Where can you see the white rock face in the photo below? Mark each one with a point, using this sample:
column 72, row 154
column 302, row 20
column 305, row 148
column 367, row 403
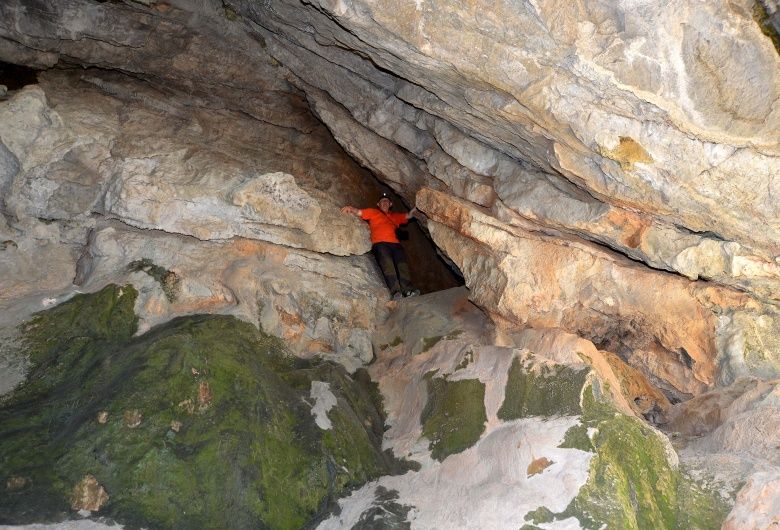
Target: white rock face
column 324, row 400
column 275, row 198
column 758, row 503
column 616, row 111
column 491, row 475
column 58, row 166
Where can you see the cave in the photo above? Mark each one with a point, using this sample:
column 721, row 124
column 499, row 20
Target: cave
column 195, row 334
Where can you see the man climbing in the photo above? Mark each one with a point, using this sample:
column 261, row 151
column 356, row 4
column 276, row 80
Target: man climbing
column 387, row 249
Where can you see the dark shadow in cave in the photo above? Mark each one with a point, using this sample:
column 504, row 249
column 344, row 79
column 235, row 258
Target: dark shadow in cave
column 15, row 77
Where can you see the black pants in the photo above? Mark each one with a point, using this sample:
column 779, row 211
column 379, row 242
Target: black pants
column 392, row 260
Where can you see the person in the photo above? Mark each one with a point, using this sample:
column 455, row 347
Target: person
column 387, row 249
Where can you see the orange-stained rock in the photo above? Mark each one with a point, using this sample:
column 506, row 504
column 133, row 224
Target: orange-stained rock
column 662, row 324
column 538, row 465
column 132, row 418
column 204, row 395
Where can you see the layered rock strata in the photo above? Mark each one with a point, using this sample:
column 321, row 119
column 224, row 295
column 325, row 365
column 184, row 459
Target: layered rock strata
column 106, row 179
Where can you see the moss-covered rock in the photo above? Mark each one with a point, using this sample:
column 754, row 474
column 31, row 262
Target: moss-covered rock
column 454, row 416
column 540, row 389
column 223, row 436
column 632, row 484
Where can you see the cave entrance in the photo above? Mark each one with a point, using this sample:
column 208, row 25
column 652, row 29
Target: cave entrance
column 430, row 270
column 15, row 77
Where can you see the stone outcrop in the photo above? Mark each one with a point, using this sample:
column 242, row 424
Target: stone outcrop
column 489, row 106
column 191, row 177
column 246, row 434
column 90, row 194
column 521, row 436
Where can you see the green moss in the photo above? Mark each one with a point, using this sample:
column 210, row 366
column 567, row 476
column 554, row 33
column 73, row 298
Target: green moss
column 248, row 453
column 540, row 515
column 454, row 416
column 577, row 438
column 430, row 342
column 699, row 507
column 543, row 390
column 631, row 484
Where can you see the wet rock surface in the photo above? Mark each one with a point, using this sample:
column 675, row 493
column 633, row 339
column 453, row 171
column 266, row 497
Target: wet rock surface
column 247, row 439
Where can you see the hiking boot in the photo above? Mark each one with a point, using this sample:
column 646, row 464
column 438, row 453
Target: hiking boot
column 412, row 292
column 397, row 296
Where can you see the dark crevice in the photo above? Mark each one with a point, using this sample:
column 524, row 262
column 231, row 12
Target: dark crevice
column 15, row 76
column 705, row 234
column 430, row 270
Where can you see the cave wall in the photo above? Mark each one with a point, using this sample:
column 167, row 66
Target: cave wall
column 601, row 173
column 627, row 130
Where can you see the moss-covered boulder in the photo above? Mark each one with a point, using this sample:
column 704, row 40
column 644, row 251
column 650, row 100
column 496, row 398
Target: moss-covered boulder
column 203, row 422
column 538, row 388
column 631, row 484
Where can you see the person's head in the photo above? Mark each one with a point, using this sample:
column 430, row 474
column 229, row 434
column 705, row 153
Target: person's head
column 385, row 203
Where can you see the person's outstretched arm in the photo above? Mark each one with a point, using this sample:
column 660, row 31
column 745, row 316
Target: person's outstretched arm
column 351, row 210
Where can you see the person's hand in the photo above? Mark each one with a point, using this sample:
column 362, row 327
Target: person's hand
column 411, row 213
column 350, row 210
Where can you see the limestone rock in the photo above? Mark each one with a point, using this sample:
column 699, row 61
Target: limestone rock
column 603, row 176
column 758, row 503
column 88, row 495
column 57, row 165
column 507, row 428
column 274, row 198
column 536, row 281
column 742, row 419
column 290, row 293
column 514, row 114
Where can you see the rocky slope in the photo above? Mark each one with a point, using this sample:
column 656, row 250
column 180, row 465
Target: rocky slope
column 602, row 176
column 146, row 428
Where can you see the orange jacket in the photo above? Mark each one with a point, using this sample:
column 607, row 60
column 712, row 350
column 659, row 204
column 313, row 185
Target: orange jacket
column 383, row 225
